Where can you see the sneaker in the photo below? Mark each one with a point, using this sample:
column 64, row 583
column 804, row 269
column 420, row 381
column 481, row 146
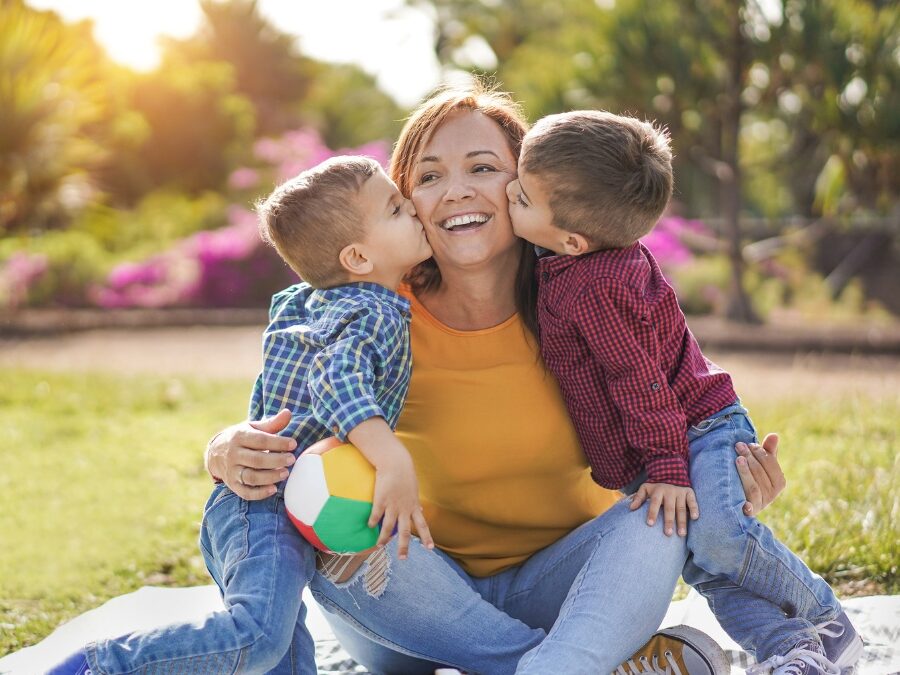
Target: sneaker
column 680, row 650
column 842, row 643
column 807, row 658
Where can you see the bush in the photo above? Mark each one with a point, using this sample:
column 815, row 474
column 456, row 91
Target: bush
column 55, row 269
column 229, row 267
column 159, row 220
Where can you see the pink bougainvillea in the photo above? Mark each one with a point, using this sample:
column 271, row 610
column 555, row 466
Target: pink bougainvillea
column 666, row 240
column 17, row 275
column 231, row 266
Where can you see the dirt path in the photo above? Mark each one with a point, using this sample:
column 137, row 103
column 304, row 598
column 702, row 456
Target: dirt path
column 233, row 352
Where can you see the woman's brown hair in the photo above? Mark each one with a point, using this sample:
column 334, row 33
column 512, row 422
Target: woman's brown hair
column 421, row 124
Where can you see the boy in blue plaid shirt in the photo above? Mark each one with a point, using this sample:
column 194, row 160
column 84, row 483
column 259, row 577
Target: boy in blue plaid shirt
column 336, row 353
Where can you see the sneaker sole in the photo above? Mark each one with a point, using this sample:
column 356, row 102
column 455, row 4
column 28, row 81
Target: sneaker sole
column 706, row 649
column 851, row 656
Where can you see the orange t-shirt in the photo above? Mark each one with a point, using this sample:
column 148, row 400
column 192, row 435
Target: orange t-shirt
column 501, row 472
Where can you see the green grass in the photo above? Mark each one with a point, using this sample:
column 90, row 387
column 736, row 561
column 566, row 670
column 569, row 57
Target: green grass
column 102, row 487
column 101, row 490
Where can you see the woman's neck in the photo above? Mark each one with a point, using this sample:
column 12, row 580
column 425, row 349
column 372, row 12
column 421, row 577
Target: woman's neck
column 473, row 300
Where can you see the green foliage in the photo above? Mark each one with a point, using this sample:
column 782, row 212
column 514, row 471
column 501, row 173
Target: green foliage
column 74, row 263
column 827, row 70
column 347, row 105
column 702, row 284
column 268, row 68
column 784, row 284
column 109, row 493
column 51, row 91
column 199, row 126
column 159, row 220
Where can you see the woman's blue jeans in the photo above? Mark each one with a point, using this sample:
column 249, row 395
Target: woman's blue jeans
column 762, row 594
column 261, row 565
column 581, row 605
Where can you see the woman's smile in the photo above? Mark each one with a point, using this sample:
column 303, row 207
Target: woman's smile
column 466, row 222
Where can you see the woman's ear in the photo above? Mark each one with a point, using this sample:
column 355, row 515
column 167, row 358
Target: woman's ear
column 353, row 259
column 575, row 244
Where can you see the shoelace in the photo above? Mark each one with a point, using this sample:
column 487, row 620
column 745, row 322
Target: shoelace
column 793, row 662
column 826, row 629
column 649, row 668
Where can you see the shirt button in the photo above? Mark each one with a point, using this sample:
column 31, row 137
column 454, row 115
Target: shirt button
column 545, row 276
column 335, row 429
column 655, row 386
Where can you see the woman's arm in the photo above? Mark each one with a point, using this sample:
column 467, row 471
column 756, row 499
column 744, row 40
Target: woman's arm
column 760, row 473
column 250, row 458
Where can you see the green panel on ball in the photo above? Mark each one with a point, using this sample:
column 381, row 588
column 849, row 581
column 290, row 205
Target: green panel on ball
column 342, row 525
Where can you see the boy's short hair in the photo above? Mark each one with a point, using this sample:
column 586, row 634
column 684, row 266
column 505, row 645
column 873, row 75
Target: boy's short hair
column 609, row 177
column 311, row 217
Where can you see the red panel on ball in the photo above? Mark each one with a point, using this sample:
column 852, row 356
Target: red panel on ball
column 309, row 534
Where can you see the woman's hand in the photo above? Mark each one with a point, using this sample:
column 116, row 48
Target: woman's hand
column 760, row 473
column 250, row 458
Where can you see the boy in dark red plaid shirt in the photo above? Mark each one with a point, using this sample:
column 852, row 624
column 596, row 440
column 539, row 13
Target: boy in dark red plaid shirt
column 654, row 416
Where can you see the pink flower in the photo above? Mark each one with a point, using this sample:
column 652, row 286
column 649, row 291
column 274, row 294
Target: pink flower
column 19, row 275
column 666, row 242
column 243, row 179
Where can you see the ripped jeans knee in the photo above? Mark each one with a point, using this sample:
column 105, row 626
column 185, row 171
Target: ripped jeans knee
column 344, row 570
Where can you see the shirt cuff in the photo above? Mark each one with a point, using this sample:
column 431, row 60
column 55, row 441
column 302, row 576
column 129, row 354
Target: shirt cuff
column 346, row 418
column 670, row 469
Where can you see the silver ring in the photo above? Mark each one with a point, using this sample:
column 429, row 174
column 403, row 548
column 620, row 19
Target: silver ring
column 241, row 475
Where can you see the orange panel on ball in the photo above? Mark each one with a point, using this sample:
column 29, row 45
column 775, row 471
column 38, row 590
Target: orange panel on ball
column 349, row 474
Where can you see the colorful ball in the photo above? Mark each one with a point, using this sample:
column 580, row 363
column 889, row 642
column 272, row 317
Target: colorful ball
column 329, row 496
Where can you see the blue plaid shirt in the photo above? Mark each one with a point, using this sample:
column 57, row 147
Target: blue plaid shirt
column 334, row 357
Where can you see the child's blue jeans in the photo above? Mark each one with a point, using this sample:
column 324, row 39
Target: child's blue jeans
column 762, row 594
column 261, row 565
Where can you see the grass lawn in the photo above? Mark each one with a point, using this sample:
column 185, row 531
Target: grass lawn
column 102, row 487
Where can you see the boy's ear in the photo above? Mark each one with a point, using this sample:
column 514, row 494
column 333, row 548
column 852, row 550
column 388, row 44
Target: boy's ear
column 353, row 259
column 575, row 244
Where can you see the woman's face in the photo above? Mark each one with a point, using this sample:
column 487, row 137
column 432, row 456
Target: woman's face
column 459, row 191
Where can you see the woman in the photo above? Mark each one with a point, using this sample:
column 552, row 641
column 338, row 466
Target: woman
column 538, row 569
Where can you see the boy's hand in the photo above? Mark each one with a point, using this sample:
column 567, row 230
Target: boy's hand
column 396, row 488
column 397, row 502
column 676, row 502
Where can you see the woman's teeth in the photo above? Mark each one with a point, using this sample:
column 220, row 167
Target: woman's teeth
column 463, row 222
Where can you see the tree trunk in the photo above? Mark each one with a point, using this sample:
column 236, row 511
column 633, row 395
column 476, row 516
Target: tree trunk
column 739, row 307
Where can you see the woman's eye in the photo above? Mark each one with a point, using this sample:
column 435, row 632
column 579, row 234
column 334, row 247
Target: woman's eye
column 427, row 178
column 482, row 168
column 397, row 209
column 521, row 201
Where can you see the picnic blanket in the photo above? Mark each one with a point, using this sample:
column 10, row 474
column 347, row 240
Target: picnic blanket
column 876, row 617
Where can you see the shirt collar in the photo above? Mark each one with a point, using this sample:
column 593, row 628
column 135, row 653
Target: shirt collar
column 376, row 292
column 550, row 264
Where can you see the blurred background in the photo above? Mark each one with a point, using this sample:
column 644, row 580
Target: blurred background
column 134, row 138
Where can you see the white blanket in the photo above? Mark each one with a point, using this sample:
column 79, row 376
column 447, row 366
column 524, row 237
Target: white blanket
column 877, row 618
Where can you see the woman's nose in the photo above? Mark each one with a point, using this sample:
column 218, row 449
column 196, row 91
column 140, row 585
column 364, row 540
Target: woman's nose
column 458, row 189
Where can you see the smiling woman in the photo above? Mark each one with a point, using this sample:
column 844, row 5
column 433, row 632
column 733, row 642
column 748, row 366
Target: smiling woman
column 518, row 522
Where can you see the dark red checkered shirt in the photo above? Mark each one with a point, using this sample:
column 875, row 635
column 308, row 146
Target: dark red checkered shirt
column 632, row 375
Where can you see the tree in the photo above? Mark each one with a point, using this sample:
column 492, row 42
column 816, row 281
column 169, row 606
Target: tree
column 268, row 67
column 199, row 126
column 825, row 70
column 286, row 88
column 51, row 92
column 347, row 106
